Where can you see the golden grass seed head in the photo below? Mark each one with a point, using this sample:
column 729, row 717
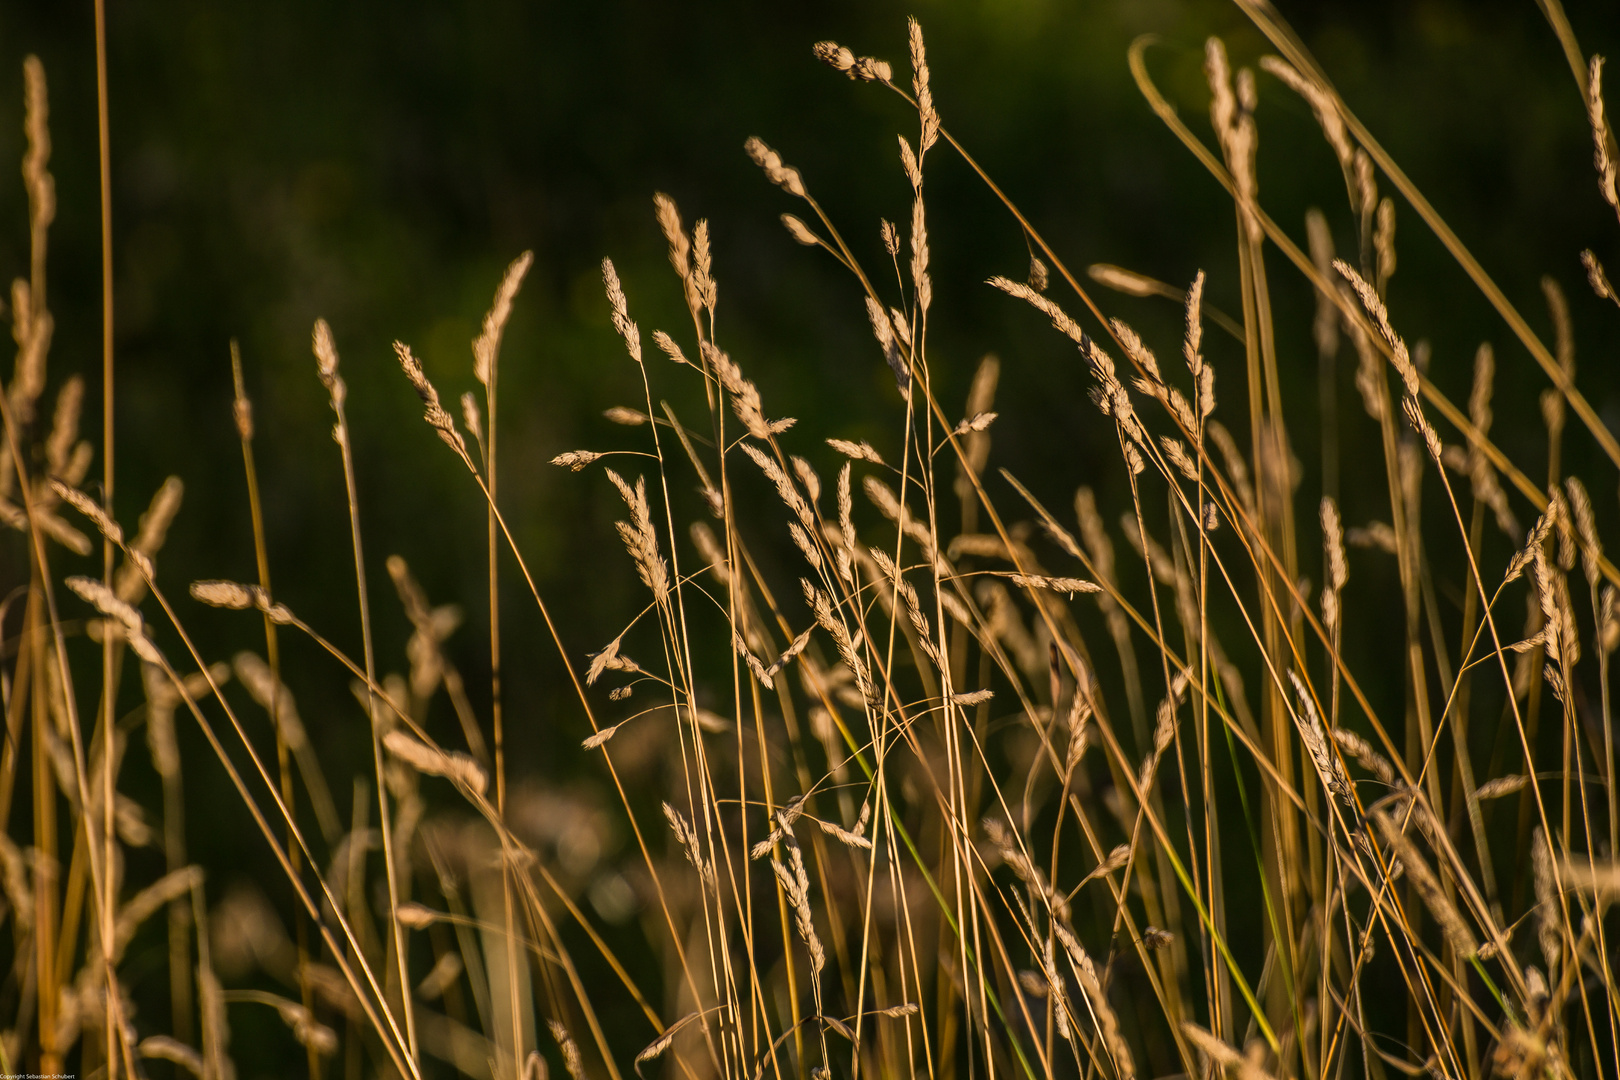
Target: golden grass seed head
column 623, row 325
column 326, row 359
column 454, row 765
column 433, row 412
column 576, row 459
column 64, row 425
column 1501, row 786
column 572, row 1061
column 703, row 283
column 669, row 223
column 783, row 176
column 1126, row 281
column 1384, row 243
column 1596, row 277
column 486, row 346
column 800, row 231
column 87, row 506
column 834, row 56
column 472, row 417
column 1602, row 155
column 1366, row 185
column 1039, row 277
column 926, row 113
column 860, row 451
column 1591, row 547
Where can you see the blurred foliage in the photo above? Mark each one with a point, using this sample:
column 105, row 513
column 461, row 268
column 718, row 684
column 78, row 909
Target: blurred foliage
column 378, row 165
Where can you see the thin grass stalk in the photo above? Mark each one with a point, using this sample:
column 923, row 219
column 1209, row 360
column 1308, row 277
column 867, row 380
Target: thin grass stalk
column 242, row 412
column 327, row 357
column 108, row 676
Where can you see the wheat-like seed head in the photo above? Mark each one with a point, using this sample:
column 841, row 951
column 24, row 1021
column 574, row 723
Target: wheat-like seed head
column 107, row 602
column 622, row 323
column 783, row 176
column 487, row 345
column 1321, row 103
column 1597, row 278
column 920, row 89
column 1602, row 154
column 454, row 765
column 441, row 422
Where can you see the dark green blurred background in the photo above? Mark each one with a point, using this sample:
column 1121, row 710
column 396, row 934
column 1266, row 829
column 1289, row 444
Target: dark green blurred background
column 378, row 165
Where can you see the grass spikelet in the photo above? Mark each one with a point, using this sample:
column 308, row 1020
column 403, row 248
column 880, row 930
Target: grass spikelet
column 656, row 1048
column 822, row 606
column 1164, row 729
column 1056, row 584
column 1126, row 281
column 784, row 486
column 150, row 534
column 1337, row 567
column 441, row 422
column 230, row 594
column 1596, row 278
column 1327, row 113
column 1107, row 1020
column 639, row 537
column 622, row 323
column 979, row 421
column 1384, row 244
column 1547, row 911
column 744, row 395
column 225, row 594
column 794, row 649
column 107, row 602
column 1140, row 355
column 783, row 176
column 920, row 88
column 576, row 460
column 883, row 331
column 795, row 883
column 688, row 838
column 272, row 696
column 914, row 611
column 601, row 737
column 860, row 451
column 1328, row 766
column 753, row 661
column 65, row 430
column 1602, row 156
column 1116, row 860
column 1428, row 887
column 1060, row 318
column 608, row 659
column 486, row 346
column 801, row 232
column 1591, row 548
column 87, row 506
column 1501, row 786
column 453, row 766
column 572, row 1062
